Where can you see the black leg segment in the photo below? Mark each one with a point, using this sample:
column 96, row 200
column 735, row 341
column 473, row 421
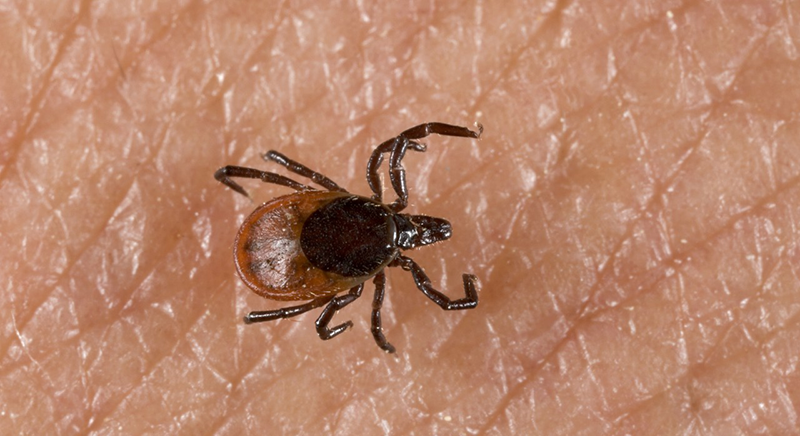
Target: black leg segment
column 377, row 302
column 424, row 285
column 300, row 169
column 423, row 130
column 326, row 316
column 285, row 312
column 224, row 175
column 396, row 148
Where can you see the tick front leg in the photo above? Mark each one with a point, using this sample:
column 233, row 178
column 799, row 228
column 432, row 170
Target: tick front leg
column 423, row 130
column 397, row 147
column 224, row 174
column 424, row 285
column 397, row 174
column 326, row 316
column 377, row 302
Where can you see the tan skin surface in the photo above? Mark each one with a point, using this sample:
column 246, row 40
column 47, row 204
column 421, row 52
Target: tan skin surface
column 630, row 211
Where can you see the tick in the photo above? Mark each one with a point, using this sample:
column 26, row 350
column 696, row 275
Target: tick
column 315, row 244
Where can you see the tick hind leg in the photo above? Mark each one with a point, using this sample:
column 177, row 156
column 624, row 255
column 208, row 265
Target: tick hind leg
column 224, row 175
column 396, row 148
column 470, row 301
column 335, row 304
column 285, row 312
column 300, row 169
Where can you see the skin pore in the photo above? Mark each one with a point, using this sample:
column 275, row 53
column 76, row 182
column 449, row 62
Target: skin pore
column 630, row 212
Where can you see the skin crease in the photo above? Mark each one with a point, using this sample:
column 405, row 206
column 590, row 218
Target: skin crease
column 630, row 211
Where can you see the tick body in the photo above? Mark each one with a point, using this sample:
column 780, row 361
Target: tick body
column 315, row 244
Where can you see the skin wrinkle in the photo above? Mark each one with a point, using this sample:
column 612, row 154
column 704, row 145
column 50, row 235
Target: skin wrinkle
column 692, row 370
column 553, row 19
column 239, row 403
column 66, row 41
column 686, row 379
column 659, row 190
column 37, row 101
column 379, row 110
column 95, row 421
column 465, row 320
column 236, row 384
column 434, row 414
column 117, row 315
column 676, row 261
column 655, row 200
column 76, row 259
column 648, row 158
column 85, row 6
column 570, row 59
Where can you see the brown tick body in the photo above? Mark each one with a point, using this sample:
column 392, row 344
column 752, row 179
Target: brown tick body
column 313, row 245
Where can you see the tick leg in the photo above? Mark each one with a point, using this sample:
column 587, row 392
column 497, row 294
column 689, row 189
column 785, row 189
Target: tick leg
column 377, row 302
column 375, row 160
column 285, row 312
column 224, row 174
column 424, row 285
column 298, row 168
column 397, row 174
column 396, row 147
column 423, row 130
column 373, row 179
column 327, row 314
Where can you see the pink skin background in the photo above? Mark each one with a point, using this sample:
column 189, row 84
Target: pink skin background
column 631, row 212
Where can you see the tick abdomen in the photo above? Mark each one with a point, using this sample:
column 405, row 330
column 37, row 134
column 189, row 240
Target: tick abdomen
column 268, row 254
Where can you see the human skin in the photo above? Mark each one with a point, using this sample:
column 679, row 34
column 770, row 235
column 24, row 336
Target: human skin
column 630, row 211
